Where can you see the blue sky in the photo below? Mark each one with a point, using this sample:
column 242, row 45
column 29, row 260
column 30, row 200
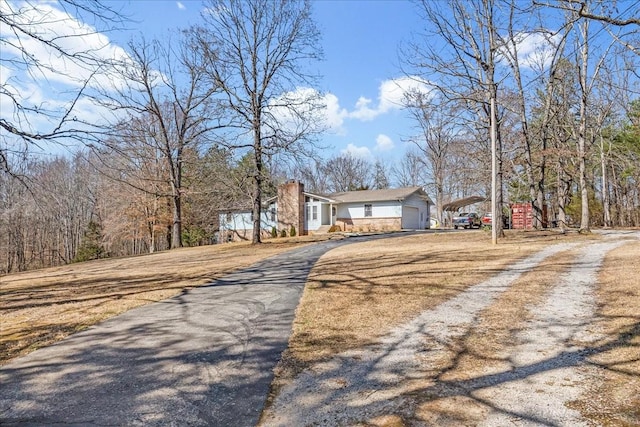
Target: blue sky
column 362, row 80
column 360, row 41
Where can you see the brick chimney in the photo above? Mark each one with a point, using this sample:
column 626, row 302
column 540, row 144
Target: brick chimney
column 291, row 206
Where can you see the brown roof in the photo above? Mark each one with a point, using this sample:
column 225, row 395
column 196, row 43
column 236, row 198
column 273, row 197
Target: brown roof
column 378, row 195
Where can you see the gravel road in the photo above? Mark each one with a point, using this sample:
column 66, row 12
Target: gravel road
column 376, row 385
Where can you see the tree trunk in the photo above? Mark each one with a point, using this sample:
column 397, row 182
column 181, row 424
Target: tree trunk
column 605, row 186
column 257, row 180
column 563, row 190
column 176, row 230
column 582, row 131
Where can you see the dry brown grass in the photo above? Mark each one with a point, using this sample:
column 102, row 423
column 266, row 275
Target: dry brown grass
column 357, row 293
column 615, row 399
column 40, row 307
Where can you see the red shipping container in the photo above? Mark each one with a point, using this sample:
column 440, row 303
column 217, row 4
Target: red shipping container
column 522, row 216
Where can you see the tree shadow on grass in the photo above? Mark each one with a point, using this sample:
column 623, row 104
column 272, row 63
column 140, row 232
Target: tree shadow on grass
column 357, row 383
column 204, row 357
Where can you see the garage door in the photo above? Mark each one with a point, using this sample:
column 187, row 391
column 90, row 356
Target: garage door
column 410, row 217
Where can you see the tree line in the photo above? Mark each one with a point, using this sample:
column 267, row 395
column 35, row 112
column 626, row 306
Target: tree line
column 214, row 118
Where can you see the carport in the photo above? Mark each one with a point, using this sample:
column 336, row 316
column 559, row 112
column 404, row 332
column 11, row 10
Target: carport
column 455, row 205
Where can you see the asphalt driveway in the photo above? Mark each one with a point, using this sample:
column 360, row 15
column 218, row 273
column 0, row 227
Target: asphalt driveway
column 205, row 357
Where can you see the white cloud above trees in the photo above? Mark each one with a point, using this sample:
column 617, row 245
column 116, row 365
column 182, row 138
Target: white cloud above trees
column 535, row 50
column 384, row 143
column 392, row 95
column 359, row 152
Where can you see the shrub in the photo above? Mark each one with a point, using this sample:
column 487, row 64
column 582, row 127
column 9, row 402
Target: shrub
column 292, row 232
column 283, row 233
column 274, row 232
column 91, row 246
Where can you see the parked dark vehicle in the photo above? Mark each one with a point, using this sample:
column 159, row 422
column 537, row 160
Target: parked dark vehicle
column 467, row 220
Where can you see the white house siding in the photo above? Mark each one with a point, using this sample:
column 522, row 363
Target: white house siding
column 387, row 209
column 385, row 216
column 236, row 226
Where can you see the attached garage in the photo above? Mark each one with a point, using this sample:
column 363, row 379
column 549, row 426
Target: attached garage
column 410, row 218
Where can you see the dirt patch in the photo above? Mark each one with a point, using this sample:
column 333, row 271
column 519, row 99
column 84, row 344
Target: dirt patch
column 40, row 307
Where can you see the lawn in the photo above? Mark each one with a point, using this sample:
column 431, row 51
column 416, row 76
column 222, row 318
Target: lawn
column 40, row 307
column 354, row 295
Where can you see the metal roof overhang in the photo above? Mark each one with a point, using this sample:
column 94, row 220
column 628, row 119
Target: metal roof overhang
column 460, row 203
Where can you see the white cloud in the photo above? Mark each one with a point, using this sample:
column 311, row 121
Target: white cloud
column 72, row 36
column 355, row 151
column 180, row 5
column 51, row 81
column 306, row 106
column 384, row 143
column 363, row 111
column 334, row 115
column 534, row 49
column 392, row 95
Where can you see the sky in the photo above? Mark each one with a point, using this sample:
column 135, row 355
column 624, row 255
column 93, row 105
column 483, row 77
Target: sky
column 359, row 73
column 360, row 42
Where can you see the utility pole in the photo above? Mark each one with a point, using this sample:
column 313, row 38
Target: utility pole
column 496, row 215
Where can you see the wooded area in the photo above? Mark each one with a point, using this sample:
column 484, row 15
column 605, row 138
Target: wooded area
column 214, row 119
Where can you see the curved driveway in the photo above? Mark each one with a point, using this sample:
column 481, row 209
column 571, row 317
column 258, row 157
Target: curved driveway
column 205, row 357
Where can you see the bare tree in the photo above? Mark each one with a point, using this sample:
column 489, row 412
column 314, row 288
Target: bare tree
column 409, row 171
column 587, row 77
column 609, row 11
column 32, row 26
column 347, row 172
column 256, row 52
column 436, row 141
column 465, row 70
column 170, row 109
column 534, row 143
column 380, row 176
column 314, row 176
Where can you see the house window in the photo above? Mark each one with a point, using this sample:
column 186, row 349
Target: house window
column 315, row 212
column 228, row 217
column 308, row 212
column 368, row 211
column 273, row 214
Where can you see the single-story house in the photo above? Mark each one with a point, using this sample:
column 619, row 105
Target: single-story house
column 365, row 210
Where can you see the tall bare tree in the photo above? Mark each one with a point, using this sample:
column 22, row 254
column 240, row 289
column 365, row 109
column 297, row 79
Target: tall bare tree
column 257, row 51
column 587, row 71
column 436, row 141
column 463, row 62
column 347, row 172
column 169, row 109
column 535, row 139
column 409, row 171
